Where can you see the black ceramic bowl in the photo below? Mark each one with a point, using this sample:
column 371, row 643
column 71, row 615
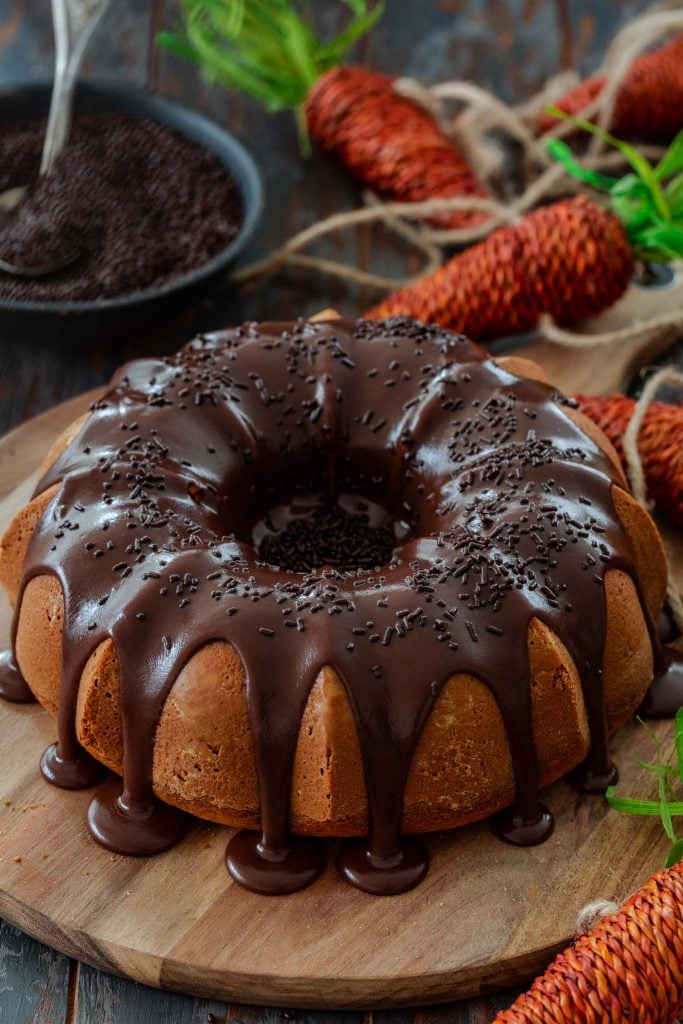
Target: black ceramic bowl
column 98, row 318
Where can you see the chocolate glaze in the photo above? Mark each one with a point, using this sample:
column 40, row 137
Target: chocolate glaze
column 501, row 508
column 12, row 684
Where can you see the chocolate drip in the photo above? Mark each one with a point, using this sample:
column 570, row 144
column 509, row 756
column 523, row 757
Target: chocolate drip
column 74, row 769
column 468, row 505
column 521, row 829
column 12, row 684
column 136, row 827
column 66, row 764
column 274, row 866
column 384, row 874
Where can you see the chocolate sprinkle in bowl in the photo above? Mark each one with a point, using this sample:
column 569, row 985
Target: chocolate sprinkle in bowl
column 159, row 199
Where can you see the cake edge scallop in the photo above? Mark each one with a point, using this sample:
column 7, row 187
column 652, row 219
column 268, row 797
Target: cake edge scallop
column 328, row 796
column 203, row 761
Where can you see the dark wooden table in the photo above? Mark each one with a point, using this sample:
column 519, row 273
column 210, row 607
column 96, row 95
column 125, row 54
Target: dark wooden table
column 511, row 46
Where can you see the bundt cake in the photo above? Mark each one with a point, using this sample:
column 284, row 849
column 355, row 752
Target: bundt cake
column 341, row 578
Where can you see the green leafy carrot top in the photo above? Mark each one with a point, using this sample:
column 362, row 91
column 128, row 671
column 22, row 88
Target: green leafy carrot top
column 648, row 201
column 265, row 48
column 669, row 778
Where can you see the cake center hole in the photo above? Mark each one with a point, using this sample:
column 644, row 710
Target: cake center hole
column 312, row 531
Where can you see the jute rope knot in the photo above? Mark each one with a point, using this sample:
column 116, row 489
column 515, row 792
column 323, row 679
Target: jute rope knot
column 479, row 113
column 592, row 913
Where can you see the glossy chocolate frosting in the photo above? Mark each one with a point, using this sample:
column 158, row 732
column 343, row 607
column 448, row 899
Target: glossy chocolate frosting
column 376, row 496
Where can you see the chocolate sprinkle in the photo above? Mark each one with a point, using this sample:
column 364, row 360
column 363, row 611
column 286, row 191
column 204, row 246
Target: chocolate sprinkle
column 162, row 205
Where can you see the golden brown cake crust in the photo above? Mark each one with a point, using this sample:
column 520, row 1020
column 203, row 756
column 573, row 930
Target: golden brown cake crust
column 461, row 771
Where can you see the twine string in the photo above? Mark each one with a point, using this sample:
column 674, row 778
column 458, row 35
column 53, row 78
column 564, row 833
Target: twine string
column 655, row 328
column 631, row 41
column 482, row 112
column 483, row 107
column 396, row 216
column 636, row 472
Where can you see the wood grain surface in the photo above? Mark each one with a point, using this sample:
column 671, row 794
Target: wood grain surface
column 509, row 45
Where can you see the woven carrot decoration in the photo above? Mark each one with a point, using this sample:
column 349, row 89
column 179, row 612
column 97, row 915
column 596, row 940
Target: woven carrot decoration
column 572, row 259
column 660, row 443
column 649, row 102
column 628, row 968
column 388, row 142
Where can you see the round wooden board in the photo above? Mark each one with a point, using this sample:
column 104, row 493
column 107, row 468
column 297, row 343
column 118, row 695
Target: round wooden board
column 488, row 915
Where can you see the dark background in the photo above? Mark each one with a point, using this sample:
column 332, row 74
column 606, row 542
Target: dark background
column 510, row 46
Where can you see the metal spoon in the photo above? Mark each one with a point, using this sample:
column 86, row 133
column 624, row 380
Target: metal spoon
column 74, row 22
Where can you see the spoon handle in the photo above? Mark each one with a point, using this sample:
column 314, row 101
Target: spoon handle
column 74, row 22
